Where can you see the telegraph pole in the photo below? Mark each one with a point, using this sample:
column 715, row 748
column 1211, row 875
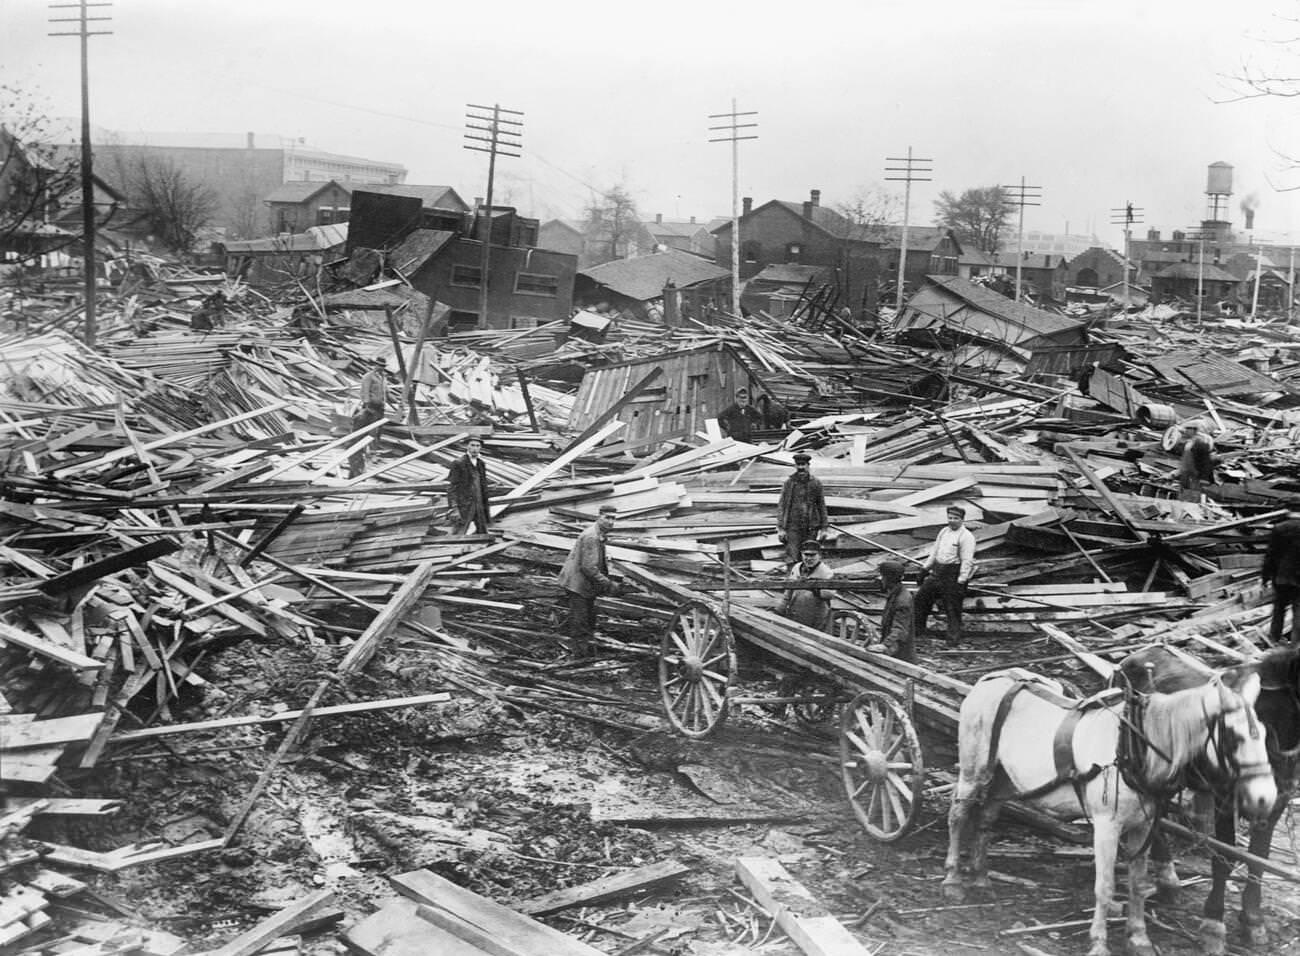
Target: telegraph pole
column 914, row 170
column 1022, row 196
column 1199, row 236
column 1126, row 217
column 503, row 134
column 734, row 137
column 83, row 21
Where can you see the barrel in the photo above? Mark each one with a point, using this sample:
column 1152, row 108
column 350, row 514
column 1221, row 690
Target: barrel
column 1156, row 416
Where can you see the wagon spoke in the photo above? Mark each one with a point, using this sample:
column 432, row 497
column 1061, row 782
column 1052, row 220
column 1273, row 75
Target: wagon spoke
column 672, row 704
column 894, row 746
column 712, row 693
column 713, row 660
column 673, row 680
column 705, row 705
column 864, row 785
column 715, row 676
column 896, row 782
column 868, row 730
column 858, row 742
column 686, row 651
column 894, row 802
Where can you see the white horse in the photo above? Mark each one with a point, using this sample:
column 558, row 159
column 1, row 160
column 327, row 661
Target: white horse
column 1112, row 759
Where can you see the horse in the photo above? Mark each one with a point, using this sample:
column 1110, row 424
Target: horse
column 1113, row 758
column 1278, row 709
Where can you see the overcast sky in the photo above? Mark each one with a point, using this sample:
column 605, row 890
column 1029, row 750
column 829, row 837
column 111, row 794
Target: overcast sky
column 1097, row 102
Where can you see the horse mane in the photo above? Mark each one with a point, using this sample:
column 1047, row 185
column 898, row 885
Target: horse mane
column 1176, row 726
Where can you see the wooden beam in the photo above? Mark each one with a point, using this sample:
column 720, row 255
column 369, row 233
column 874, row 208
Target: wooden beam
column 605, row 889
column 310, row 910
column 12, row 635
column 796, row 911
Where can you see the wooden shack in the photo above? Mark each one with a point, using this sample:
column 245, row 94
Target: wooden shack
column 686, row 389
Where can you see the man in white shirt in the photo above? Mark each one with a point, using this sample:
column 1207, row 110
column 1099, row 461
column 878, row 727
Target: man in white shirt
column 946, row 572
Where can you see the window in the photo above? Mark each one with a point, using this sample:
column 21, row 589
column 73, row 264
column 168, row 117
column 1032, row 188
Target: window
column 467, row 276
column 792, row 251
column 531, row 283
column 751, row 251
column 327, row 215
column 525, row 322
column 461, row 321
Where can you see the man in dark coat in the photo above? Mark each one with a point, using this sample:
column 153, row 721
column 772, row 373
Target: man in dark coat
column 898, row 620
column 801, row 512
column 1196, row 463
column 808, row 606
column 739, row 419
column 467, row 490
column 374, row 393
column 584, row 577
column 1281, row 569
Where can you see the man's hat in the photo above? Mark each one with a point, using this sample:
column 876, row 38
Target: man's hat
column 608, row 510
column 802, row 458
column 957, row 510
column 892, row 569
column 812, row 546
column 742, row 391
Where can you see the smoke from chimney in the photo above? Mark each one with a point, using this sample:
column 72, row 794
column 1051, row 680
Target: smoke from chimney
column 1248, row 206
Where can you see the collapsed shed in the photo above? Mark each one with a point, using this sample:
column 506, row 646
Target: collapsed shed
column 985, row 327
column 690, row 286
column 662, row 398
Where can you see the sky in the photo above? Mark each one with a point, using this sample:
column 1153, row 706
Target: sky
column 1098, row 103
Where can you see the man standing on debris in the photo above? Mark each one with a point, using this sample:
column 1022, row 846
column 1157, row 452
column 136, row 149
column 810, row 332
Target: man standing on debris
column 374, row 392
column 585, row 576
column 808, row 606
column 467, row 491
column 945, row 573
column 739, row 419
column 1281, row 569
column 898, row 620
column 1196, row 464
column 801, row 512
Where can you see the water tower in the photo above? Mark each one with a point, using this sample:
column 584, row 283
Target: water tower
column 1218, row 190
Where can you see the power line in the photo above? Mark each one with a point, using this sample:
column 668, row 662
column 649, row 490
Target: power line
column 731, row 134
column 486, row 124
column 83, row 21
column 1021, row 196
column 914, row 170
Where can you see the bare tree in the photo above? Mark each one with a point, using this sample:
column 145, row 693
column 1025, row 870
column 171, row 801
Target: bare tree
column 247, row 214
column 37, row 178
column 173, row 207
column 977, row 216
column 869, row 210
column 614, row 214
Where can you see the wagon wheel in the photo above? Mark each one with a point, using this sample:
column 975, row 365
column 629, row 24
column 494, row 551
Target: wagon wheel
column 880, row 758
column 854, row 628
column 697, row 663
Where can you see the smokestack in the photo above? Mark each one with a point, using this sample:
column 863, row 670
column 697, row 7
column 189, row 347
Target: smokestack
column 808, row 207
column 746, row 205
column 1250, row 219
column 1153, row 235
column 249, row 138
column 659, row 219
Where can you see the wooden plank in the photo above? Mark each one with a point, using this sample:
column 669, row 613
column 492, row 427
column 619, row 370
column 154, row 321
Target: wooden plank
column 795, row 910
column 20, row 735
column 12, row 635
column 396, row 930
column 551, row 468
column 410, row 592
column 78, row 577
column 605, row 889
column 942, row 490
column 150, row 733
column 481, row 921
column 307, row 911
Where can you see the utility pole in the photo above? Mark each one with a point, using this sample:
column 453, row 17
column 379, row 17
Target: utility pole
column 733, row 137
column 83, row 21
column 502, row 136
column 1290, row 289
column 1022, row 196
column 914, row 170
column 1126, row 217
column 1199, row 236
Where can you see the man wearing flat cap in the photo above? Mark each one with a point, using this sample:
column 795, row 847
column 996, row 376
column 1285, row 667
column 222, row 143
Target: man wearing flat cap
column 739, row 419
column 898, row 620
column 808, row 606
column 801, row 512
column 584, row 577
column 945, row 572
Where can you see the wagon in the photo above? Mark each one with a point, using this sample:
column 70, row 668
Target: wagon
column 880, row 757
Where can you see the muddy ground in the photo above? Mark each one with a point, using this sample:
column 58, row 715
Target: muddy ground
column 513, row 802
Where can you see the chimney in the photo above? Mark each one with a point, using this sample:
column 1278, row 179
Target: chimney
column 746, row 205
column 1179, row 235
column 659, row 219
column 1047, row 262
column 808, row 208
column 1250, row 219
column 249, row 139
column 816, row 197
column 1153, row 235
column 692, row 220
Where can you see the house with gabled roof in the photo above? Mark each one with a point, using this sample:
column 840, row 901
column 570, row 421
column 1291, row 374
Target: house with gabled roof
column 593, row 241
column 687, row 236
column 1096, row 268
column 297, row 206
column 782, row 232
column 1185, row 280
